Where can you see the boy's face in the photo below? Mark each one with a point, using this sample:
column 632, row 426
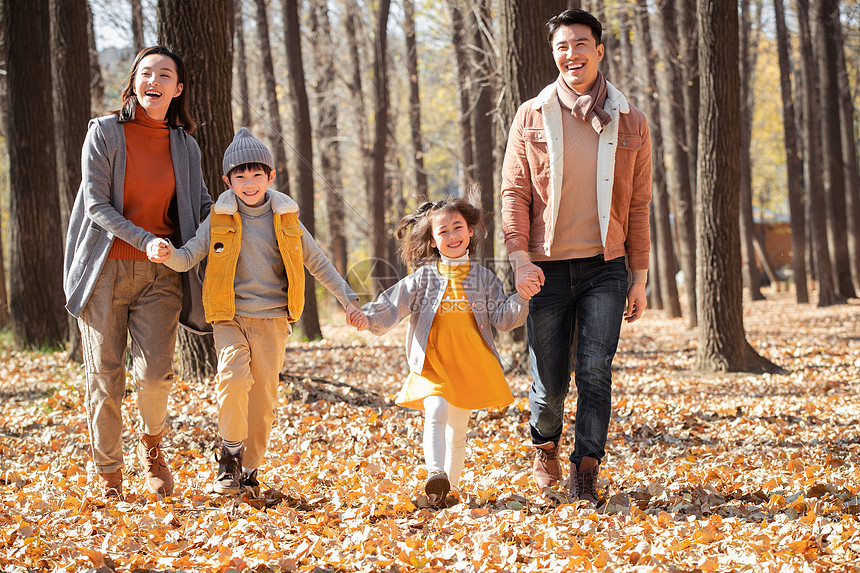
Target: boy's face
column 250, row 186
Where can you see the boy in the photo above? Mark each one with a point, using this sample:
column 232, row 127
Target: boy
column 254, row 288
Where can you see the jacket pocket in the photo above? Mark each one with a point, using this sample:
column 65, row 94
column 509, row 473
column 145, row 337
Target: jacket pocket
column 629, row 142
column 537, row 154
column 221, row 241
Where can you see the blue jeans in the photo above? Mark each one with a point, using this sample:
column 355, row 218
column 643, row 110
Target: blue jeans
column 578, row 310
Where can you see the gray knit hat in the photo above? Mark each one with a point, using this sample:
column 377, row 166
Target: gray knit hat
column 245, row 148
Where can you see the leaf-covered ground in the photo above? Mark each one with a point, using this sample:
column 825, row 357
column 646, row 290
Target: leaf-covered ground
column 704, row 472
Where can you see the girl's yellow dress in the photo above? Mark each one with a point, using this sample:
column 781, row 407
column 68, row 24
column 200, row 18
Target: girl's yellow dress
column 459, row 366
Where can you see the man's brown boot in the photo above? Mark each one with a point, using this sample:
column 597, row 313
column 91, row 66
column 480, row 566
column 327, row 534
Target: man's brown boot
column 583, row 480
column 110, row 483
column 158, row 478
column 546, row 469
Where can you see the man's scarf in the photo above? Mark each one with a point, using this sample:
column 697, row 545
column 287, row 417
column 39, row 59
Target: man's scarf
column 587, row 107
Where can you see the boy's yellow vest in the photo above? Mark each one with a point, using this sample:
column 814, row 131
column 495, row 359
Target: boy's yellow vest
column 225, row 241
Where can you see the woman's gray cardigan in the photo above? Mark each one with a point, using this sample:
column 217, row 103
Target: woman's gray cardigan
column 420, row 295
column 96, row 217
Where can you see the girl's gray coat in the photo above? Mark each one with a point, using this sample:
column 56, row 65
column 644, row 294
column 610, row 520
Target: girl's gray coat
column 96, row 217
column 420, row 294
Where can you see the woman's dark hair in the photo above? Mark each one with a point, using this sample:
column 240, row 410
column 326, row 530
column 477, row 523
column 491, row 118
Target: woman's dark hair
column 571, row 17
column 416, row 229
column 177, row 114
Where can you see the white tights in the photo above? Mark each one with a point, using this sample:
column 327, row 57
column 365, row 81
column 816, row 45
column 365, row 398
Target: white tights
column 445, row 437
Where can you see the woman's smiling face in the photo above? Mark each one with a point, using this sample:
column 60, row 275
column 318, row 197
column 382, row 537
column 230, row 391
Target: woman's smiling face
column 156, row 83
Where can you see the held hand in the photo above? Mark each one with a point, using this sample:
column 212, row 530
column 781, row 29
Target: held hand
column 528, row 279
column 158, row 250
column 355, row 317
column 637, row 300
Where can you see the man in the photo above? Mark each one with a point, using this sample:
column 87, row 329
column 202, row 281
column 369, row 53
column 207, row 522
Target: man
column 576, row 184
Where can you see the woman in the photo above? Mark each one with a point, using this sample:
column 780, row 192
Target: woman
column 142, row 179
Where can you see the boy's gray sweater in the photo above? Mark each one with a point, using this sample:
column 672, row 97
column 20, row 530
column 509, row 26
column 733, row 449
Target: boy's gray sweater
column 260, row 285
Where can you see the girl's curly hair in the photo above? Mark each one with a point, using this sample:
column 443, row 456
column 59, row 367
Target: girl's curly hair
column 415, row 229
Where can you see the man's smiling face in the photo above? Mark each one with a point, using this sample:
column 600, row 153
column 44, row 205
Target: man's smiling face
column 576, row 54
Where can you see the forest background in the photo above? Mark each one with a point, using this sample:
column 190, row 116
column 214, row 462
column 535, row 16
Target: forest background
column 370, row 108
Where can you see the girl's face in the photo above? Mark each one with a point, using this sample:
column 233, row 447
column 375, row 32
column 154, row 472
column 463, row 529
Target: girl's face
column 451, row 234
column 156, row 83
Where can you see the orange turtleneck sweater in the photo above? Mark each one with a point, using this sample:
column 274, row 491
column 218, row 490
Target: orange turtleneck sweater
column 150, row 184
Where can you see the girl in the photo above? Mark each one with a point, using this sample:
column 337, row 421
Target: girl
column 141, row 180
column 453, row 304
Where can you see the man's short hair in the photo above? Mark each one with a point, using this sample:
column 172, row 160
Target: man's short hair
column 571, row 17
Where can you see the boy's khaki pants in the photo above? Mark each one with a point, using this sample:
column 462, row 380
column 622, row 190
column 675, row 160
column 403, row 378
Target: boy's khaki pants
column 250, row 358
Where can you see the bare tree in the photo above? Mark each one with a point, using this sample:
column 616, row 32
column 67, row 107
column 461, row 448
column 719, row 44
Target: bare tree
column 794, row 167
column 137, row 41
column 70, row 62
column 97, row 85
column 816, row 216
column 748, row 50
column 356, row 87
column 242, row 68
column 208, row 27
column 483, row 141
column 722, row 344
column 414, row 101
column 309, row 323
column 831, row 145
column 276, row 131
column 327, row 132
column 379, row 240
column 36, row 296
column 464, row 79
column 680, row 186
column 849, row 155
column 666, row 257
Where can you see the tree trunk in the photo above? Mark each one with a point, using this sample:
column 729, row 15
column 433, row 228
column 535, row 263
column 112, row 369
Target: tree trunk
column 414, row 101
column 625, row 80
column 722, row 344
column 70, row 62
column 464, row 97
column 327, row 133
column 309, row 324
column 527, row 67
column 689, row 55
column 379, row 243
column 276, row 133
column 816, row 215
column 748, row 41
column 36, row 295
column 831, row 146
column 794, row 167
column 680, row 186
column 352, row 28
column 97, row 85
column 137, row 40
column 242, row 68
column 849, row 156
column 483, row 140
column 655, row 297
column 660, row 199
column 527, row 64
column 208, row 27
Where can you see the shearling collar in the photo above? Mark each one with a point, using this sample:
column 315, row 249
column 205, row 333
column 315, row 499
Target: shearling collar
column 228, row 203
column 613, row 96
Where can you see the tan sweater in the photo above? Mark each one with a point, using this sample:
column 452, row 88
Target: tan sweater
column 577, row 231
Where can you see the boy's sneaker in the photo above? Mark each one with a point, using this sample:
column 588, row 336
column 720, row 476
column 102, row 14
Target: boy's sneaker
column 437, row 487
column 229, row 471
